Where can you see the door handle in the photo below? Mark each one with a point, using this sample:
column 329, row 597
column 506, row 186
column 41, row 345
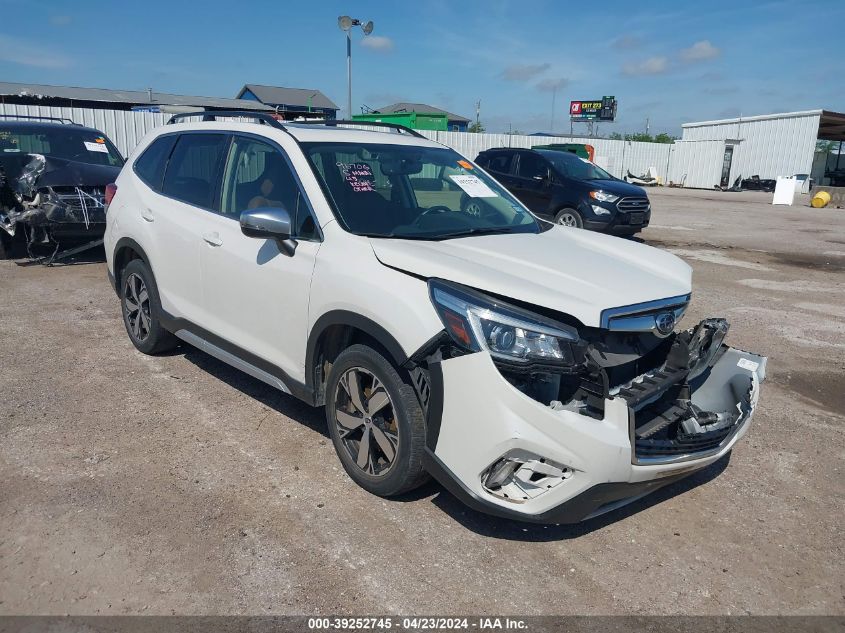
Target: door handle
column 213, row 239
column 147, row 215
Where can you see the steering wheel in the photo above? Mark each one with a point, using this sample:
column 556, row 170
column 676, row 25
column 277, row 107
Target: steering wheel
column 437, row 208
column 478, row 208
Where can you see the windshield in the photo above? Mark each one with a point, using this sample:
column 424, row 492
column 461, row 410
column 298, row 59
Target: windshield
column 413, row 192
column 573, row 166
column 62, row 141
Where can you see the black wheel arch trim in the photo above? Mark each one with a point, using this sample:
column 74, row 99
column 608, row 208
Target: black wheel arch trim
column 354, row 320
column 434, row 412
column 126, row 242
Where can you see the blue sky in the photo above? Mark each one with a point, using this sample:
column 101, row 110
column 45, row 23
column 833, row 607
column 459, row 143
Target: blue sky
column 669, row 62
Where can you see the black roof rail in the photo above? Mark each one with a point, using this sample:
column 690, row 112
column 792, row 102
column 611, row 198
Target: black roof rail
column 38, row 118
column 265, row 118
column 334, row 122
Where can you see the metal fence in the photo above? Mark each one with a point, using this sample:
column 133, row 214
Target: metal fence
column 617, row 157
column 126, row 129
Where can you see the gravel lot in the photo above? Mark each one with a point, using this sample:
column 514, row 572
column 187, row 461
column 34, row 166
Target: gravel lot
column 175, row 484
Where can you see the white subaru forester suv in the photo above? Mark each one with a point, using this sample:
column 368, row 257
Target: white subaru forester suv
column 533, row 369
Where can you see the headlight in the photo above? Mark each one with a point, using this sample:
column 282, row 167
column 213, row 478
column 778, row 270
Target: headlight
column 603, row 196
column 477, row 322
column 600, row 210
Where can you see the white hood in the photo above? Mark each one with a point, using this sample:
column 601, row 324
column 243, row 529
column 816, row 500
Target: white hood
column 573, row 271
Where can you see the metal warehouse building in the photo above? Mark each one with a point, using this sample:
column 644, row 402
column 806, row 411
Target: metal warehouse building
column 718, row 152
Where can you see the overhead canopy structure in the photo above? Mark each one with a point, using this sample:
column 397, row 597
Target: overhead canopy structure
column 69, row 96
column 831, row 126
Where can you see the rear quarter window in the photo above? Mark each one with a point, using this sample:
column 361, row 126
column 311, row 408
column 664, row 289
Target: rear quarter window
column 150, row 165
column 193, row 170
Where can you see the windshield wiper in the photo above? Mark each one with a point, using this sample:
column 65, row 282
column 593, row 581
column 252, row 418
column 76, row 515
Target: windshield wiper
column 474, row 231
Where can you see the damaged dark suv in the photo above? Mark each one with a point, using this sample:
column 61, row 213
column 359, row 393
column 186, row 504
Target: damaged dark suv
column 53, row 178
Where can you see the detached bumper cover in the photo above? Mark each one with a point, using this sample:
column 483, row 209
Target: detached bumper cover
column 595, row 501
column 483, row 418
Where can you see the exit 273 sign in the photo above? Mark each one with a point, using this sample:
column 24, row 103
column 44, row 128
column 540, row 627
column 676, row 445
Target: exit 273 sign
column 603, row 109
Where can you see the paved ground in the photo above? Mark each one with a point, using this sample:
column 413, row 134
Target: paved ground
column 174, row 484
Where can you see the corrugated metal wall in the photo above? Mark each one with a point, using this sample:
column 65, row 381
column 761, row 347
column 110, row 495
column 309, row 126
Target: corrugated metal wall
column 124, row 128
column 127, row 128
column 768, row 147
column 616, row 156
column 697, row 164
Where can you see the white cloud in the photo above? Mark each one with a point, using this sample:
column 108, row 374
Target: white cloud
column 700, row 51
column 650, row 66
column 627, row 42
column 550, row 85
column 25, row 53
column 524, row 72
column 378, row 43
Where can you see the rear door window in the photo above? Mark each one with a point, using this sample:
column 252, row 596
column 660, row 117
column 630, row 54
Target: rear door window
column 532, row 166
column 500, row 163
column 150, row 165
column 193, row 170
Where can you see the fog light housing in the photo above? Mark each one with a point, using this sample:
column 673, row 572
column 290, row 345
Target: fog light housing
column 520, row 476
column 600, row 210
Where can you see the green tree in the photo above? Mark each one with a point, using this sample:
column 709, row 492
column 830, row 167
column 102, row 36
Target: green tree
column 825, row 147
column 663, row 137
column 640, row 137
column 616, row 136
column 476, row 128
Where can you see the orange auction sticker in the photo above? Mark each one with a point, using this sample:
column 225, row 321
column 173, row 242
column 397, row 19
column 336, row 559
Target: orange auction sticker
column 465, row 164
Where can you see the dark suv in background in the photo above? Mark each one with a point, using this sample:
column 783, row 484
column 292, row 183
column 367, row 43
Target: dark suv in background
column 53, row 177
column 569, row 190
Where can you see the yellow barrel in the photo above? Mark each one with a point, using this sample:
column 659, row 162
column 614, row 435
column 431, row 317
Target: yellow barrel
column 820, row 200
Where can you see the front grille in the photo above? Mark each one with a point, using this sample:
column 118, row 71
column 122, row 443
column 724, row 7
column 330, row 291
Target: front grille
column 682, row 444
column 79, row 199
column 633, row 204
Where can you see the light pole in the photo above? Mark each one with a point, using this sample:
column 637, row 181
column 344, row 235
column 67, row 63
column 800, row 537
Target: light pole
column 346, row 23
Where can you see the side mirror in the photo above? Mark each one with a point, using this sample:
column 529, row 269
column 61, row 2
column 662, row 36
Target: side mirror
column 267, row 223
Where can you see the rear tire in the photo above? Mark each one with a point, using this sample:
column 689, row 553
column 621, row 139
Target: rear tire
column 569, row 217
column 376, row 423
column 141, row 309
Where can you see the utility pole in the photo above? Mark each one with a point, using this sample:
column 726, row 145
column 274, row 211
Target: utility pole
column 554, row 97
column 345, row 23
column 477, row 114
column 349, row 73
column 646, row 126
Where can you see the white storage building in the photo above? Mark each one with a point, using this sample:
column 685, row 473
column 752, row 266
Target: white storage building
column 713, row 153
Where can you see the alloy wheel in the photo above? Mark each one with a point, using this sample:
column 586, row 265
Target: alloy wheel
column 136, row 304
column 567, row 219
column 365, row 421
column 474, row 209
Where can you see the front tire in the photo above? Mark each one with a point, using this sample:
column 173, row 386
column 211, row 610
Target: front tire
column 141, row 309
column 376, row 423
column 570, row 218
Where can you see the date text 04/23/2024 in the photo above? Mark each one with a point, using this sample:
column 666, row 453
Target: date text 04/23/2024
column 416, row 623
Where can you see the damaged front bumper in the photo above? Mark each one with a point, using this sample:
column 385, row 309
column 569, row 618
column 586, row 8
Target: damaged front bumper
column 59, row 211
column 507, row 454
column 53, row 200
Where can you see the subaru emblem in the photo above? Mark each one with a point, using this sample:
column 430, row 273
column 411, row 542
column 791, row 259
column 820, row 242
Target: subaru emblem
column 665, row 323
